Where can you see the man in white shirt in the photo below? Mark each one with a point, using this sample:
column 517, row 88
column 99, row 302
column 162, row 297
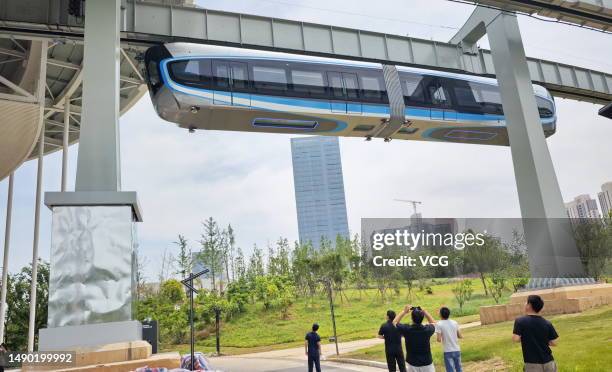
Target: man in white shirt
column 447, row 332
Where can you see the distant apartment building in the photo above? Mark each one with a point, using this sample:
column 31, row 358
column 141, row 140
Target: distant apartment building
column 605, row 199
column 582, row 208
column 319, row 189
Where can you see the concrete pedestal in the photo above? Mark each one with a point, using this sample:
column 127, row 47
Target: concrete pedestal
column 92, row 272
column 562, row 300
column 115, row 357
column 87, row 336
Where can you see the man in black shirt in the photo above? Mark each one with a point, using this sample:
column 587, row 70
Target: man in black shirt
column 393, row 343
column 536, row 335
column 416, row 337
column 313, row 348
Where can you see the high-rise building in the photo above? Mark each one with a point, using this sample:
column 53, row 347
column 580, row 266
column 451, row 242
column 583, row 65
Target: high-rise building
column 319, row 189
column 582, row 208
column 605, row 199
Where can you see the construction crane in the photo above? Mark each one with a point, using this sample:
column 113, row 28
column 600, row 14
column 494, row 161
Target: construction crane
column 413, row 202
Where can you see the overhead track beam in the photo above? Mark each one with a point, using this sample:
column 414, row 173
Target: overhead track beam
column 596, row 14
column 149, row 23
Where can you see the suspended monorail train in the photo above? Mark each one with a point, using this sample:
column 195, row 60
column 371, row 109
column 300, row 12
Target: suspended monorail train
column 222, row 88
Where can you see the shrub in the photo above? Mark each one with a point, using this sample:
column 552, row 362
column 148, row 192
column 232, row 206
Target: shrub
column 463, row 292
column 172, row 291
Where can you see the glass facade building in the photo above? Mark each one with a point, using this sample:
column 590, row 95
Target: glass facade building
column 319, row 189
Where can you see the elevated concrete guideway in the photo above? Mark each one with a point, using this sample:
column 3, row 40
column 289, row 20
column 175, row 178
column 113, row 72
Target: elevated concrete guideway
column 596, row 14
column 144, row 23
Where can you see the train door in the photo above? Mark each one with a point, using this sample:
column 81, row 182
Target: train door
column 450, row 111
column 239, row 78
column 345, row 92
column 351, row 90
column 338, row 102
column 231, row 83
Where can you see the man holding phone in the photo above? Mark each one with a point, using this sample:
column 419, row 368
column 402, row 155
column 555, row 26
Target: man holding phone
column 416, row 336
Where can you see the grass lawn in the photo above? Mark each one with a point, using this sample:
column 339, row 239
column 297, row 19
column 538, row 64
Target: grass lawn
column 585, row 344
column 357, row 318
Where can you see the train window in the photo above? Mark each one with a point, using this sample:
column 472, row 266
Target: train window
column 311, row 83
column 372, row 88
column 489, row 97
column 335, row 84
column 545, row 107
column 239, row 76
column 269, row 78
column 465, row 98
column 412, row 87
column 351, row 86
column 194, row 72
column 477, row 97
column 230, row 75
column 221, row 74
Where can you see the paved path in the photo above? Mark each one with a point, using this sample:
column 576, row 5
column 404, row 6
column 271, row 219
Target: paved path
column 242, row 364
column 293, row 360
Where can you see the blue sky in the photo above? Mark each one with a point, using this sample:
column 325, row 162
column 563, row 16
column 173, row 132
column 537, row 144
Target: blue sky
column 245, row 179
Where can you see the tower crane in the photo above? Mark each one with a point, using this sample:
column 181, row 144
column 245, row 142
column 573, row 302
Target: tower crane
column 413, row 202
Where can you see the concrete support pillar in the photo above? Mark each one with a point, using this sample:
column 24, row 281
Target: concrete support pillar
column 93, row 233
column 98, row 165
column 552, row 249
column 553, row 256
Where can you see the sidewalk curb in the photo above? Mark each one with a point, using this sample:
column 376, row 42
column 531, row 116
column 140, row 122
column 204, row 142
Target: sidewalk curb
column 360, row 362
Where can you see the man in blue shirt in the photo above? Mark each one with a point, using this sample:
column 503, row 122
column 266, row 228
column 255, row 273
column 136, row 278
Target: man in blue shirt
column 312, row 344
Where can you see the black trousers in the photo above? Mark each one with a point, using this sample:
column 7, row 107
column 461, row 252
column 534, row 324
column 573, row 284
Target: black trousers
column 395, row 357
column 314, row 360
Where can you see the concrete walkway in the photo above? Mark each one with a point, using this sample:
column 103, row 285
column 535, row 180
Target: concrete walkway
column 293, row 359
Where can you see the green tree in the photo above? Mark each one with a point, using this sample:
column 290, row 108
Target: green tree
column 359, row 275
column 333, row 267
column 284, row 302
column 184, row 259
column 486, row 258
column 272, row 266
column 594, row 242
column 209, row 302
column 463, row 292
column 266, row 290
column 18, row 305
column 231, row 256
column 171, row 317
column 224, row 247
column 239, row 265
column 282, row 257
column 517, row 270
column 304, row 268
column 256, row 265
column 211, row 253
column 238, row 293
column 172, row 291
column 497, row 285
